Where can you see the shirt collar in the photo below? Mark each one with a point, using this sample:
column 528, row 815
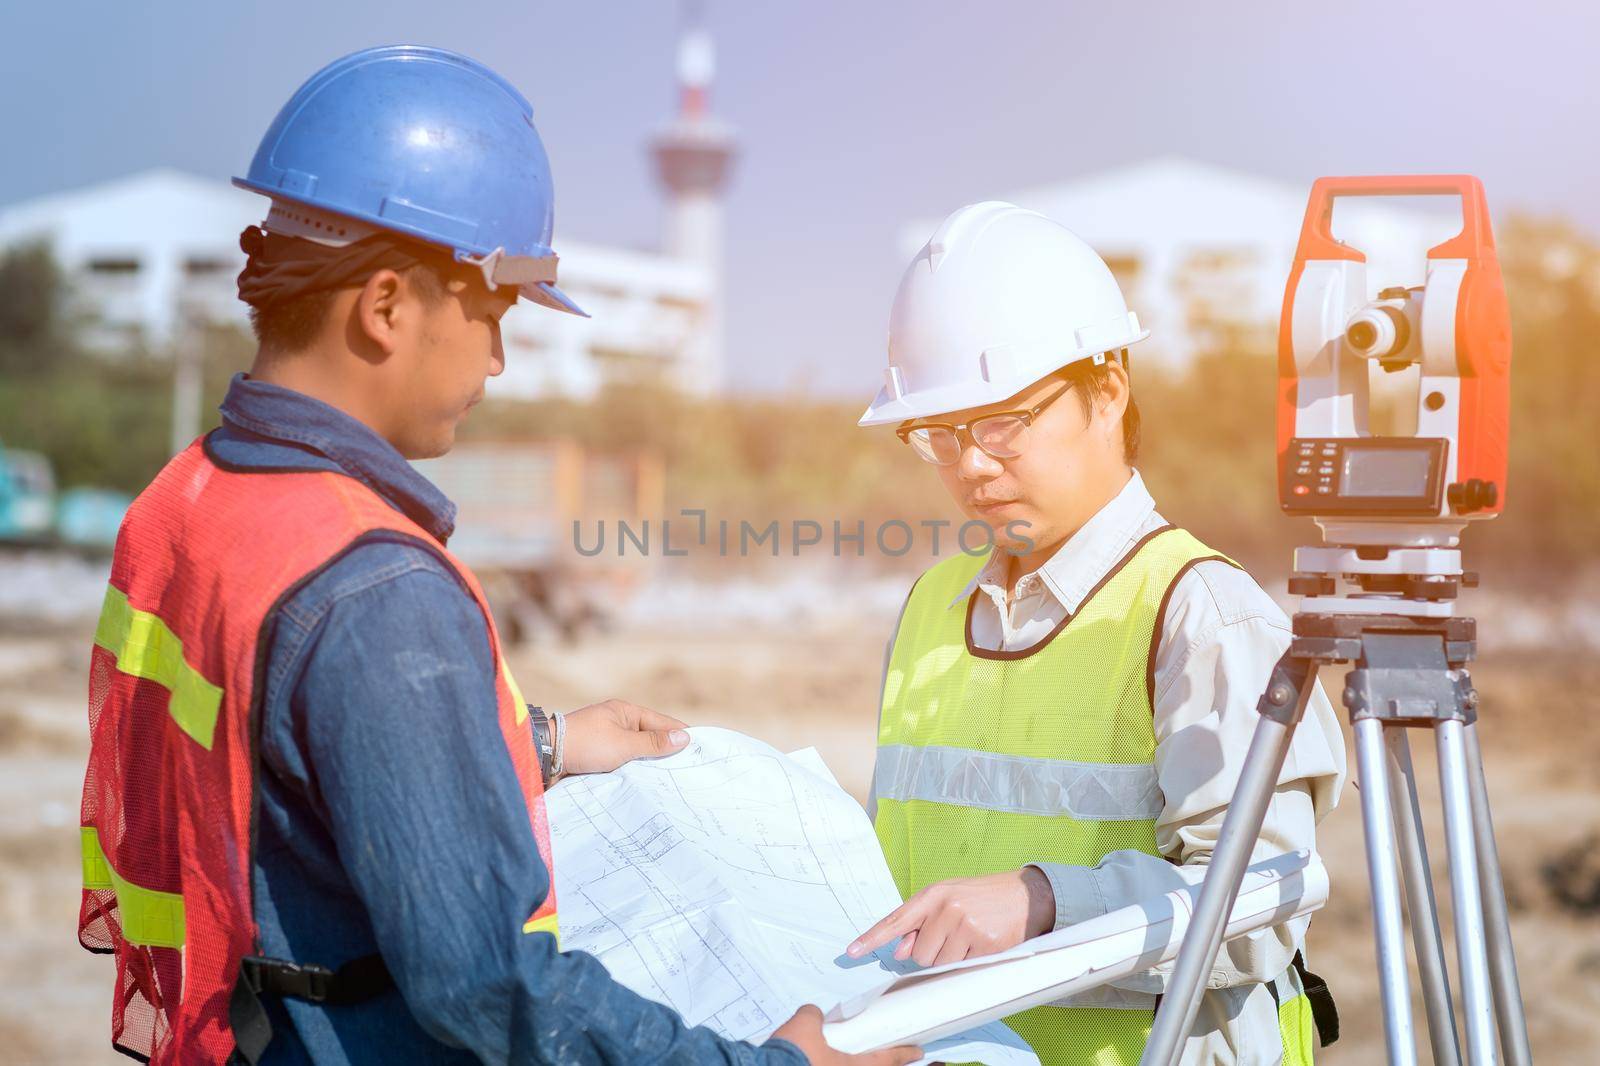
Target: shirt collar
column 1087, row 556
column 281, row 414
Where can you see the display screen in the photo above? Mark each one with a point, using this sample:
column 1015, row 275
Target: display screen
column 1385, row 472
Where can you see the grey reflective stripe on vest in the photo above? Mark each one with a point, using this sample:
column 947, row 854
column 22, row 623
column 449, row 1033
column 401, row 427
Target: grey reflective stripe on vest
column 1014, row 784
column 1231, row 999
column 1108, row 997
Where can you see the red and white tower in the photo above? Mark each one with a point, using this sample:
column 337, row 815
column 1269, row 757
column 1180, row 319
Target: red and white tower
column 692, row 156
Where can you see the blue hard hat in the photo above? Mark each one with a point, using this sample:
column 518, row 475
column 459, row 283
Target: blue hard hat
column 419, row 141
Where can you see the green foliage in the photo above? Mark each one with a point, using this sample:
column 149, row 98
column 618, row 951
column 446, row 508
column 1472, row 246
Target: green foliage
column 757, row 457
column 102, row 421
column 31, row 314
column 1210, row 456
column 1553, row 284
column 1209, row 438
column 106, row 427
column 1209, row 433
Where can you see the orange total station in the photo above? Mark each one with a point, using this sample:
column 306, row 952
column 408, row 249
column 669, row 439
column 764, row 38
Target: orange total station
column 1416, row 490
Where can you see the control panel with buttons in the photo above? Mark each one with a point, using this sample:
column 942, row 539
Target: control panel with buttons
column 1363, row 475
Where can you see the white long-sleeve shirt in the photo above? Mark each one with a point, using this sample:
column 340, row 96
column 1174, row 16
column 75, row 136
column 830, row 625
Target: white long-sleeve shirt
column 1220, row 638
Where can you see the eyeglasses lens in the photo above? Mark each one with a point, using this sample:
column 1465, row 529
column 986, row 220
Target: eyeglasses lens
column 1002, row 436
column 936, row 444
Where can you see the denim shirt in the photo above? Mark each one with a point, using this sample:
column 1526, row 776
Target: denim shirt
column 390, row 818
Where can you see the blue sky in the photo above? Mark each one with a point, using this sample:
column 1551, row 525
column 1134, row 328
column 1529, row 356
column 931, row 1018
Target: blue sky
column 854, row 117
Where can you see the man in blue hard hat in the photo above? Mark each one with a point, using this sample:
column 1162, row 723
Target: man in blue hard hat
column 313, row 820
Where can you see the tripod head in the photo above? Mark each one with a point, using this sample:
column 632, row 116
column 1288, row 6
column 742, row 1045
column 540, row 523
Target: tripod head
column 1392, row 508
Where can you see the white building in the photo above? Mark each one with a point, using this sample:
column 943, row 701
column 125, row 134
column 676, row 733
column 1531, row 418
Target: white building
column 143, row 252
column 133, row 248
column 647, row 311
column 1203, row 252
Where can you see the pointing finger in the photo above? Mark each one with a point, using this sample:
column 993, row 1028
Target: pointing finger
column 901, row 920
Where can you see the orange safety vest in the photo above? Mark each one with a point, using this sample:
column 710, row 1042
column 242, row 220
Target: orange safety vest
column 205, row 556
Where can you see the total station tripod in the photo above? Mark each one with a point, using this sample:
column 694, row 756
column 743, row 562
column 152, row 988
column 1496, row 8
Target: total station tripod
column 1409, row 672
column 1391, row 509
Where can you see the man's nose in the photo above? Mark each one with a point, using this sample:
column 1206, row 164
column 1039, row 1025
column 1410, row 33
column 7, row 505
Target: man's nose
column 978, row 465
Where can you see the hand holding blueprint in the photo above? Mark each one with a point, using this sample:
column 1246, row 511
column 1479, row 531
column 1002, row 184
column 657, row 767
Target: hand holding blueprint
column 725, row 881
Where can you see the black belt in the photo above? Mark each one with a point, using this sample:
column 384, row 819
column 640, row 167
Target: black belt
column 355, row 982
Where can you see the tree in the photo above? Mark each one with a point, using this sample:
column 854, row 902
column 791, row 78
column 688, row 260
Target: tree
column 32, row 294
column 1552, row 273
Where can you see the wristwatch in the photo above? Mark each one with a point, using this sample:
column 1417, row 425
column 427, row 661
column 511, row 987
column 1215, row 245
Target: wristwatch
column 544, row 740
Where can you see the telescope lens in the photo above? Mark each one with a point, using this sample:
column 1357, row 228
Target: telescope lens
column 1362, row 335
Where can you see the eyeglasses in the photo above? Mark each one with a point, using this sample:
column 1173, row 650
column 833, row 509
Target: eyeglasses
column 1001, row 435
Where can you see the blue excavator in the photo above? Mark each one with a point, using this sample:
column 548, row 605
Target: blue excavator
column 33, row 514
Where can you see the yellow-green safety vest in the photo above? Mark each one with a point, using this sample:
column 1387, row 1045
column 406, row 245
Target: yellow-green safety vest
column 990, row 760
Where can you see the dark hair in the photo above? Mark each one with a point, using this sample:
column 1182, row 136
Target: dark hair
column 291, row 325
column 1091, row 380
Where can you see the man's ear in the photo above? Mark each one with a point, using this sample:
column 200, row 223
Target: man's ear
column 1115, row 390
column 377, row 309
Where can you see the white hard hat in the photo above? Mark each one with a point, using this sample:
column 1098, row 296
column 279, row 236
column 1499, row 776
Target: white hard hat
column 997, row 299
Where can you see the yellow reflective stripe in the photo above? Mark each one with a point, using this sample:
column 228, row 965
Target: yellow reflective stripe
column 547, row 924
column 1297, row 1027
column 516, row 693
column 146, row 648
column 147, row 917
column 96, row 871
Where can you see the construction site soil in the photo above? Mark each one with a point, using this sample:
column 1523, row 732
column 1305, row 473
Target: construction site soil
column 815, row 682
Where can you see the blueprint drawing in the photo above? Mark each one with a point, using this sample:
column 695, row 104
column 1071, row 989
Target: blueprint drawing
column 724, row 881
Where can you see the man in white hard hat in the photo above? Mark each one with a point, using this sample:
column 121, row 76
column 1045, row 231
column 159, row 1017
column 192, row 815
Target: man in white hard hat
column 1064, row 718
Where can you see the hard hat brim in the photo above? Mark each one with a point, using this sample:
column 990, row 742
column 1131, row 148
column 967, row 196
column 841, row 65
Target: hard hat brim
column 546, row 294
column 887, row 408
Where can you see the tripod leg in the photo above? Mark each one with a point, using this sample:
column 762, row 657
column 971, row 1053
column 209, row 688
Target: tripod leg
column 1378, row 823
column 1472, row 956
column 1420, row 901
column 1281, row 708
column 1502, row 959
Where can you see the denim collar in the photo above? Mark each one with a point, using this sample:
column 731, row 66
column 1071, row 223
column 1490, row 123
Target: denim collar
column 279, row 414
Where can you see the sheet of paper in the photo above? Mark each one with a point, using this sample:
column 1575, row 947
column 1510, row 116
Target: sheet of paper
column 811, row 759
column 725, row 881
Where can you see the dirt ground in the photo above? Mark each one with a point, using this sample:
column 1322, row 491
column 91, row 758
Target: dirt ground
column 816, row 683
